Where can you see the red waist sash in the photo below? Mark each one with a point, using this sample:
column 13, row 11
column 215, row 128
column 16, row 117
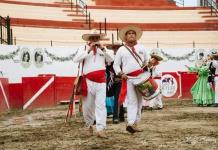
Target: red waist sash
column 123, row 91
column 96, row 76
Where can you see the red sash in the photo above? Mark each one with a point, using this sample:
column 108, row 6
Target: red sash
column 123, row 91
column 96, row 76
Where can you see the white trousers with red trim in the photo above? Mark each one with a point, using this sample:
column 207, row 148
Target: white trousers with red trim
column 133, row 103
column 216, row 90
column 94, row 107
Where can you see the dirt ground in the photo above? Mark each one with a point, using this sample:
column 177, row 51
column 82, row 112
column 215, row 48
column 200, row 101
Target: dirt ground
column 180, row 125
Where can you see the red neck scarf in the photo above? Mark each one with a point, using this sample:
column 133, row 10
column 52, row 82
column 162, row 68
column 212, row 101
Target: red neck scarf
column 94, row 49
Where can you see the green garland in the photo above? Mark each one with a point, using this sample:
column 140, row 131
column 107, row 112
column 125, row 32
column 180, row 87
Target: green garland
column 179, row 58
column 60, row 59
column 10, row 55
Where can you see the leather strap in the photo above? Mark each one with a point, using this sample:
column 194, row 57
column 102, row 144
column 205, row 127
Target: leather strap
column 134, row 55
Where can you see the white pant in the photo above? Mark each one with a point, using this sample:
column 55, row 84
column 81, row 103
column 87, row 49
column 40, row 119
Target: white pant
column 156, row 102
column 94, row 105
column 134, row 104
column 216, row 90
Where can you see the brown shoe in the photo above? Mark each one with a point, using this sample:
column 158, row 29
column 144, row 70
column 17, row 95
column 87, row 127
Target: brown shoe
column 130, row 129
column 101, row 134
column 135, row 127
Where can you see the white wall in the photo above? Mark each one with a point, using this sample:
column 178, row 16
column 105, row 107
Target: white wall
column 14, row 70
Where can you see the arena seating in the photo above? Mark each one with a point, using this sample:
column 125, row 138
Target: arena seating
column 66, row 37
column 171, row 26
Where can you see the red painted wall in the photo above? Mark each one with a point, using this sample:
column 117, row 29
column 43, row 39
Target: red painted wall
column 4, row 89
column 16, row 95
column 31, row 85
column 63, row 88
column 187, row 81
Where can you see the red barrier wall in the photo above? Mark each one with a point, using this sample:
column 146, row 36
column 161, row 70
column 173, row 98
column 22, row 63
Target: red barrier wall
column 38, row 91
column 63, row 88
column 4, row 95
column 187, row 81
column 16, row 95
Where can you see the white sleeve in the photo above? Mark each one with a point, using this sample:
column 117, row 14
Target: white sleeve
column 109, row 55
column 146, row 57
column 156, row 72
column 117, row 62
column 145, row 54
column 215, row 64
column 81, row 54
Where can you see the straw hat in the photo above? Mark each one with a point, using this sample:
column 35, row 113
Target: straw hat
column 93, row 33
column 114, row 46
column 156, row 54
column 215, row 55
column 123, row 31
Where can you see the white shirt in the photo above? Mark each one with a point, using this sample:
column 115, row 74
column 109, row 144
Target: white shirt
column 215, row 65
column 129, row 64
column 93, row 62
column 156, row 72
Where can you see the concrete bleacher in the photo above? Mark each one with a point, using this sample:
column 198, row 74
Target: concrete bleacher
column 66, row 37
column 112, row 15
column 35, row 24
column 34, row 12
column 148, row 16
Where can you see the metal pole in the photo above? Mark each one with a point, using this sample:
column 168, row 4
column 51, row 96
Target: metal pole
column 86, row 15
column 1, row 32
column 15, row 41
column 117, row 34
column 211, row 8
column 71, row 4
column 89, row 21
column 11, row 38
column 105, row 26
column 51, row 43
column 112, row 39
column 193, row 44
column 8, row 30
column 100, row 26
column 76, row 7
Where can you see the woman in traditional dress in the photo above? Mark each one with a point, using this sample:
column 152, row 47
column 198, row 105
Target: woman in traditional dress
column 202, row 93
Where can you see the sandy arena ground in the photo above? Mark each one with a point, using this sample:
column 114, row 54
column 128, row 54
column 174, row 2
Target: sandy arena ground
column 180, row 125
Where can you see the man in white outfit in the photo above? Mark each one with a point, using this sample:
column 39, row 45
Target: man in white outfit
column 156, row 74
column 215, row 65
column 92, row 56
column 129, row 61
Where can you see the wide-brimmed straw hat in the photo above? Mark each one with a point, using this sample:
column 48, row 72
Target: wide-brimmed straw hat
column 122, row 32
column 215, row 55
column 157, row 55
column 93, row 33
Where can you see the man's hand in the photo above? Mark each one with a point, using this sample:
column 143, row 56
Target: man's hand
column 101, row 46
column 124, row 76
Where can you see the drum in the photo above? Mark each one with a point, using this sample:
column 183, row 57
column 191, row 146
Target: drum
column 147, row 87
